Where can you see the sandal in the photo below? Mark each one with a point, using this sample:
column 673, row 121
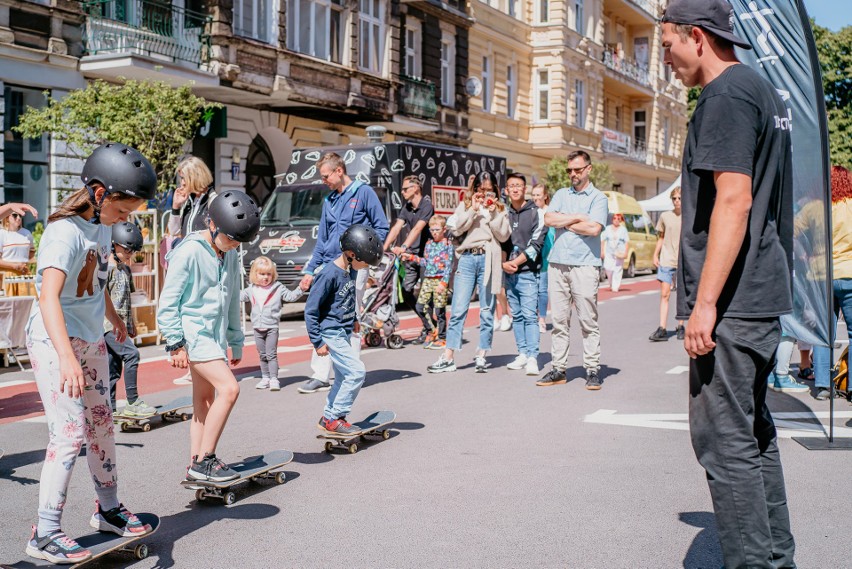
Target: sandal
column 806, row 373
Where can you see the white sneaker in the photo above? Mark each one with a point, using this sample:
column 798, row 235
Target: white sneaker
column 505, row 323
column 262, row 384
column 532, row 366
column 274, row 385
column 518, row 363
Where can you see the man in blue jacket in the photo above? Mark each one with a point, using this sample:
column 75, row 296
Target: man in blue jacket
column 351, row 202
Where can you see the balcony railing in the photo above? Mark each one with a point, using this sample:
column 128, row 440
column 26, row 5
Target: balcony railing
column 650, row 6
column 627, row 67
column 619, row 143
column 146, row 27
column 417, row 98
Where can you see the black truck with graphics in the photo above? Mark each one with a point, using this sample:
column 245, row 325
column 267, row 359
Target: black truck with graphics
column 290, row 216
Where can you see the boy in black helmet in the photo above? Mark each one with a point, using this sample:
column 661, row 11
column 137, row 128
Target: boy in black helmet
column 330, row 318
column 126, row 240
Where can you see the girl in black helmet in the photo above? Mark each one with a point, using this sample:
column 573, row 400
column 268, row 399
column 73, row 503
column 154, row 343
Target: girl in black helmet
column 330, row 318
column 199, row 317
column 66, row 345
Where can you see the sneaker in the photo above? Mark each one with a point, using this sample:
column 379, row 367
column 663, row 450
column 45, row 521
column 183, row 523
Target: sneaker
column 421, row 339
column 211, row 469
column 185, row 380
column 593, row 382
column 314, row 385
column 338, row 426
column 518, row 363
column 138, row 409
column 659, row 335
column 438, row 345
column 553, row 377
column 681, row 332
column 505, row 323
column 56, row 547
column 441, row 366
column 263, row 383
column 480, row 365
column 786, row 384
column 119, row 521
column 823, row 394
column 274, row 385
column 532, row 366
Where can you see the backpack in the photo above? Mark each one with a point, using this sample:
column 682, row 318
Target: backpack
column 840, row 373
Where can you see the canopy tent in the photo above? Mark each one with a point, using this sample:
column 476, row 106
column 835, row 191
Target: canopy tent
column 662, row 201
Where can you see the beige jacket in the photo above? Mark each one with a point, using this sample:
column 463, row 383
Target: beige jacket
column 484, row 229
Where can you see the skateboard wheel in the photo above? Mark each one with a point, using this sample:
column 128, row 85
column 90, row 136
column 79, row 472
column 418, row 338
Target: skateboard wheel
column 280, row 478
column 184, row 416
column 124, row 427
column 328, row 446
column 146, row 427
column 353, row 448
column 141, row 551
column 199, row 495
column 385, row 435
column 229, row 498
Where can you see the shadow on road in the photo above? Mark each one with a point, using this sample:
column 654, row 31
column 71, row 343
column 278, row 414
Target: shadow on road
column 704, row 552
column 375, row 377
column 579, row 372
column 21, row 405
column 11, row 462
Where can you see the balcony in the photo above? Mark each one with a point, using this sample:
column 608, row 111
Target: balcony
column 417, row 98
column 650, row 6
column 626, row 68
column 620, row 144
column 148, row 28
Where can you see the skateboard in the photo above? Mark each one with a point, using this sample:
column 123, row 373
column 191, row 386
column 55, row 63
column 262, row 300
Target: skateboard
column 371, row 426
column 251, row 469
column 101, row 543
column 169, row 412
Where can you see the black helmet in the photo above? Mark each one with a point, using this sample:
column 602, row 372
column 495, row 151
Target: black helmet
column 120, row 168
column 364, row 242
column 128, row 235
column 236, row 215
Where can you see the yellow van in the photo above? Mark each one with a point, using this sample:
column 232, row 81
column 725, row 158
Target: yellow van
column 640, row 228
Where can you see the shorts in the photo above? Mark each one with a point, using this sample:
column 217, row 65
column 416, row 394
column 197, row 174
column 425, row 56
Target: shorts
column 667, row 275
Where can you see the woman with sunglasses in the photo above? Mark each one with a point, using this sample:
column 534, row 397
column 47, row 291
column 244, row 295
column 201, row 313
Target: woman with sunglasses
column 482, row 224
column 16, row 243
column 614, row 240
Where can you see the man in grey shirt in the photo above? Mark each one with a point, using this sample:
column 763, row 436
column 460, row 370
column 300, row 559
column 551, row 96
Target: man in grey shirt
column 579, row 214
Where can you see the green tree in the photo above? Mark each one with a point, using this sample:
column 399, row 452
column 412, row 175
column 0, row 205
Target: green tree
column 151, row 116
column 835, row 58
column 556, row 174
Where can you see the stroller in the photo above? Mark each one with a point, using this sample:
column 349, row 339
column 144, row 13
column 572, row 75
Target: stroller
column 378, row 315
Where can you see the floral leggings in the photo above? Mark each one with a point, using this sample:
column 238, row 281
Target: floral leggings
column 71, row 422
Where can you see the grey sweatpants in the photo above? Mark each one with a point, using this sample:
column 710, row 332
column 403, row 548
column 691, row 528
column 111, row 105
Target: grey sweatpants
column 734, row 440
column 266, row 342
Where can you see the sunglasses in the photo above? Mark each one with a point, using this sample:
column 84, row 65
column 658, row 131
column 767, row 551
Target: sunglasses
column 16, row 215
column 577, row 170
column 675, row 199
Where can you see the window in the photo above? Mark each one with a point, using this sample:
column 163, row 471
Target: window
column 487, row 89
column 578, row 16
column 325, row 39
column 543, row 11
column 448, row 69
column 252, row 19
column 639, row 128
column 413, row 46
column 512, row 8
column 372, row 30
column 618, row 119
column 666, row 137
column 543, row 99
column 511, row 91
column 26, row 164
column 580, row 103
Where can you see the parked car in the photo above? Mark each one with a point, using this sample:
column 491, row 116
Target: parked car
column 640, row 228
column 290, row 216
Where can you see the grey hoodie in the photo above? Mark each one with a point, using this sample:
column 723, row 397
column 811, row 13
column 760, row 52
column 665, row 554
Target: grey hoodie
column 265, row 316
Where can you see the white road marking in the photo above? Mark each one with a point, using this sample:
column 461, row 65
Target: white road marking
column 786, row 427
column 677, row 370
column 15, row 382
column 647, row 292
column 623, row 297
column 39, row 419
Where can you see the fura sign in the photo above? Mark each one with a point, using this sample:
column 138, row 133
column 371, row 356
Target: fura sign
column 445, row 199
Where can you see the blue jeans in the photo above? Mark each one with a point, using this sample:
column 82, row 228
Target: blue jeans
column 542, row 294
column 522, row 292
column 469, row 274
column 842, row 301
column 349, row 374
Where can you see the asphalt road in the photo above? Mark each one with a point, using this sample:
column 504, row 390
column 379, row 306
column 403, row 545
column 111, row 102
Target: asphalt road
column 483, row 470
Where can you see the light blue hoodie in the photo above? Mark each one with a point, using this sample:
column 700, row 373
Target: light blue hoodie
column 200, row 301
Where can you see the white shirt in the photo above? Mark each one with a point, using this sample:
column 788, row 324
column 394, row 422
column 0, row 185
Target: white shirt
column 15, row 246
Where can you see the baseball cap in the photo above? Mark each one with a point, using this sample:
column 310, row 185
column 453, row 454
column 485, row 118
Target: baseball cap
column 715, row 16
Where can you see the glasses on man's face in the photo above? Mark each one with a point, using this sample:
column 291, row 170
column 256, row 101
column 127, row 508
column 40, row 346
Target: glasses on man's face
column 406, row 188
column 577, row 170
column 325, row 177
column 676, row 199
column 515, row 186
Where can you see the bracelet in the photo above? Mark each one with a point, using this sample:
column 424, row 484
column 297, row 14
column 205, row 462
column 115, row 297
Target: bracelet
column 176, row 345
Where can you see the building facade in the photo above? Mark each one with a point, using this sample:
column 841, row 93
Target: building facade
column 559, row 75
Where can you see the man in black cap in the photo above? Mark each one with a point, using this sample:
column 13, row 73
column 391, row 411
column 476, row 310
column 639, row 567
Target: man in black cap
column 735, row 282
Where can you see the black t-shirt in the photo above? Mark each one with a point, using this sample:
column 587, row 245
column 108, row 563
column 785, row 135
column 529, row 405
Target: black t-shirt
column 740, row 125
column 411, row 216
